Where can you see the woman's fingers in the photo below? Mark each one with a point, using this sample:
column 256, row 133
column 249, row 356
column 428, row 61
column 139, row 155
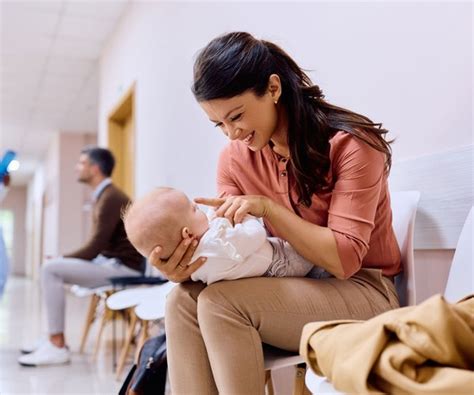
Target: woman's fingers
column 177, row 257
column 213, row 202
column 240, row 214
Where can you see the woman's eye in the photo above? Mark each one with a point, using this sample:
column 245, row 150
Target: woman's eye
column 236, row 117
column 218, row 125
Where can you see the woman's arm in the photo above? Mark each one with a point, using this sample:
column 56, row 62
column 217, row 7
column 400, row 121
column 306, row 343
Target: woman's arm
column 315, row 243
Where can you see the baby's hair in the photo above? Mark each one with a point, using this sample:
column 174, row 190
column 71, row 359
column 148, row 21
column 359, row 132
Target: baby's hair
column 169, row 222
column 125, row 210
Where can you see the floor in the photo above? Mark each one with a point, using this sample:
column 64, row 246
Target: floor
column 22, row 321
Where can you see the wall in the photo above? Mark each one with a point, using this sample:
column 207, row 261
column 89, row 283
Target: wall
column 15, row 201
column 57, row 216
column 405, row 64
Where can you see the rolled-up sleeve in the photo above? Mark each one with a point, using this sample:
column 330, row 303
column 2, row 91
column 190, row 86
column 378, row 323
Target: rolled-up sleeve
column 358, row 171
column 226, row 185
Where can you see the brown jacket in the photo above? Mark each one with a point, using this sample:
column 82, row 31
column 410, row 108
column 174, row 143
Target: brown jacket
column 424, row 349
column 108, row 235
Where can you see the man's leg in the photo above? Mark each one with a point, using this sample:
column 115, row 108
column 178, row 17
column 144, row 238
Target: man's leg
column 62, row 271
column 56, row 273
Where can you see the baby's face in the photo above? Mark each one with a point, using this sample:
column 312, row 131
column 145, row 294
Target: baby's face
column 194, row 218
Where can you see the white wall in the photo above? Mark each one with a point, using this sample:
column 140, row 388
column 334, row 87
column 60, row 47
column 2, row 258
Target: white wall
column 57, row 222
column 15, row 201
column 405, row 64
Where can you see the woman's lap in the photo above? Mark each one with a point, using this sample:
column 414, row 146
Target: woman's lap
column 215, row 333
column 279, row 307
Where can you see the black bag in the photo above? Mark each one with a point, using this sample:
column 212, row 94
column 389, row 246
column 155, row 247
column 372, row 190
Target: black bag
column 148, row 376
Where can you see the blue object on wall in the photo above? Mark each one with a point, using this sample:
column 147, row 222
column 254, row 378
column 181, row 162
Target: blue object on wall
column 5, row 162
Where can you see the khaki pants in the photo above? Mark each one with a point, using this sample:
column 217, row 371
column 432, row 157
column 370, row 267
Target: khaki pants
column 215, row 332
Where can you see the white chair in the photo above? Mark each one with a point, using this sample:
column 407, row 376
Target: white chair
column 98, row 296
column 404, row 205
column 147, row 304
column 461, row 274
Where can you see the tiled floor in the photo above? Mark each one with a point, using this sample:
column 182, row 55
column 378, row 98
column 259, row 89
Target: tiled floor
column 21, row 322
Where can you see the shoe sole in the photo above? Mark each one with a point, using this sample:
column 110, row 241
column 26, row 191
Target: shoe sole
column 31, row 365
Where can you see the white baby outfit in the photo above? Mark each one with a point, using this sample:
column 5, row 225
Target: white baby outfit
column 243, row 251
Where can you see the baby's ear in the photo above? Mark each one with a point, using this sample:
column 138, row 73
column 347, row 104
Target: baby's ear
column 185, row 233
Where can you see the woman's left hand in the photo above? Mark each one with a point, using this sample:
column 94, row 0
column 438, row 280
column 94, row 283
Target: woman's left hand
column 235, row 208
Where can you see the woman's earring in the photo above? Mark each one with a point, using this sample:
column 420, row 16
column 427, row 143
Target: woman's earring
column 276, row 101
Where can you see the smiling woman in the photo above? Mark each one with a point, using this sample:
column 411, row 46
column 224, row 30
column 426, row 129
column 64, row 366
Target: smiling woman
column 317, row 176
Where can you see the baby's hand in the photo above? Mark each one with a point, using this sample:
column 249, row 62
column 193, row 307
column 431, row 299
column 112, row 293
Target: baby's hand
column 177, row 267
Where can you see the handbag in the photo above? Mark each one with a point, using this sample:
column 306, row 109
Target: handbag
column 148, row 376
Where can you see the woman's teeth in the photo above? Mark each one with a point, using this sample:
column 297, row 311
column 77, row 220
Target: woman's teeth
column 249, row 137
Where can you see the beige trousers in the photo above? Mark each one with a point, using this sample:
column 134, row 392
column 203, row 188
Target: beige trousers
column 215, row 332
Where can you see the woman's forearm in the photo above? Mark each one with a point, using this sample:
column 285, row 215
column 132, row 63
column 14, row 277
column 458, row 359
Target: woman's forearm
column 315, row 243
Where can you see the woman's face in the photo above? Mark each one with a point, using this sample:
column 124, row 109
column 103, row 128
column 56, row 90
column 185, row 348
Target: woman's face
column 246, row 117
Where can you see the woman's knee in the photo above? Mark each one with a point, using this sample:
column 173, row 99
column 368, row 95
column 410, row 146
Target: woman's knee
column 219, row 300
column 182, row 299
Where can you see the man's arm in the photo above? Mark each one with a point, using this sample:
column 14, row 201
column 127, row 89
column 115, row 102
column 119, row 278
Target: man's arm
column 108, row 216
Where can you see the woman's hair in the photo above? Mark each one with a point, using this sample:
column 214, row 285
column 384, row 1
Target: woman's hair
column 236, row 62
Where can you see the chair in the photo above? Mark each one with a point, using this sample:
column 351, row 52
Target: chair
column 461, row 274
column 404, row 205
column 146, row 304
column 100, row 294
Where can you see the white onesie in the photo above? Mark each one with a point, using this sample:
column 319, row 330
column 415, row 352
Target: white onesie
column 243, row 251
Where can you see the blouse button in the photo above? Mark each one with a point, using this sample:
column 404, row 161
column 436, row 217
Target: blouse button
column 283, row 174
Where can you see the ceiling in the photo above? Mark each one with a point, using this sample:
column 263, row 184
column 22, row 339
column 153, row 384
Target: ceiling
column 49, row 72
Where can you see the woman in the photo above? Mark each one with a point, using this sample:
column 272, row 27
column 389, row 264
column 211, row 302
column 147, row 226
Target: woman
column 317, row 175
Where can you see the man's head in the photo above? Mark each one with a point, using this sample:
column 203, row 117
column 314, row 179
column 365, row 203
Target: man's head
column 163, row 218
column 94, row 165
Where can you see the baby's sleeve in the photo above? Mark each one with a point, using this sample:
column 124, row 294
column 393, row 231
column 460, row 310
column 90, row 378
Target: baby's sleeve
column 247, row 237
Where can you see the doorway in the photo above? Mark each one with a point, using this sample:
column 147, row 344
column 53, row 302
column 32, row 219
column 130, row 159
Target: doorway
column 121, row 138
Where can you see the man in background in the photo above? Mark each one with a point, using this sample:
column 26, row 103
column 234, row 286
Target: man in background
column 107, row 253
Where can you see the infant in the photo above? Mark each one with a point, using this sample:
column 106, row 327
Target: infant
column 165, row 216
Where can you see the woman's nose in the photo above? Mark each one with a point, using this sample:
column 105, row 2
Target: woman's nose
column 234, row 134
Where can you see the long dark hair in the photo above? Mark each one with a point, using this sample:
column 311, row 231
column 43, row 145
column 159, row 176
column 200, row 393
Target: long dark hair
column 236, row 62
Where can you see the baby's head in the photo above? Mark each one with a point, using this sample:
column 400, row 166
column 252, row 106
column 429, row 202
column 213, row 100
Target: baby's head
column 163, row 218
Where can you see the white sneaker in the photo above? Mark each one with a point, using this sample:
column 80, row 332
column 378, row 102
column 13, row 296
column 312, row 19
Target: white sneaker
column 46, row 354
column 28, row 349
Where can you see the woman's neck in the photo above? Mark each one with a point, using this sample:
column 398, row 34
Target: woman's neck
column 279, row 137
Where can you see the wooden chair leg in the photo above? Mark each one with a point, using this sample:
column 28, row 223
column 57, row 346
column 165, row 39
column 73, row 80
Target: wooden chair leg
column 126, row 345
column 269, row 383
column 299, row 387
column 103, row 322
column 89, row 320
column 142, row 338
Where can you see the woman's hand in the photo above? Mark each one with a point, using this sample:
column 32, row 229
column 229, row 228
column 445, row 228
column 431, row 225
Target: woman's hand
column 235, row 208
column 177, row 268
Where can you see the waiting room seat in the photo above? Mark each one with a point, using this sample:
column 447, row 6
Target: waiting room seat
column 145, row 304
column 98, row 310
column 404, row 205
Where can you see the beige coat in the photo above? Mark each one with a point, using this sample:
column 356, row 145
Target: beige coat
column 424, row 349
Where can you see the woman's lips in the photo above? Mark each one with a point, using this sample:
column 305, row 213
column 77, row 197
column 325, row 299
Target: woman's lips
column 247, row 140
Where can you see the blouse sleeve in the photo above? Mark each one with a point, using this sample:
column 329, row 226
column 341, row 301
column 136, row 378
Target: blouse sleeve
column 226, row 185
column 359, row 173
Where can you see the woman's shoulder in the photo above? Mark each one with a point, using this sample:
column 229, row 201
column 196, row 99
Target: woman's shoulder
column 344, row 145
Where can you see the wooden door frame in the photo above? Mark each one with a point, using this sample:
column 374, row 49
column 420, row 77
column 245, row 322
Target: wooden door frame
column 116, row 120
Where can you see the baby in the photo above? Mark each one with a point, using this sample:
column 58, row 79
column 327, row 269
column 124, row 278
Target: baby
column 165, row 216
